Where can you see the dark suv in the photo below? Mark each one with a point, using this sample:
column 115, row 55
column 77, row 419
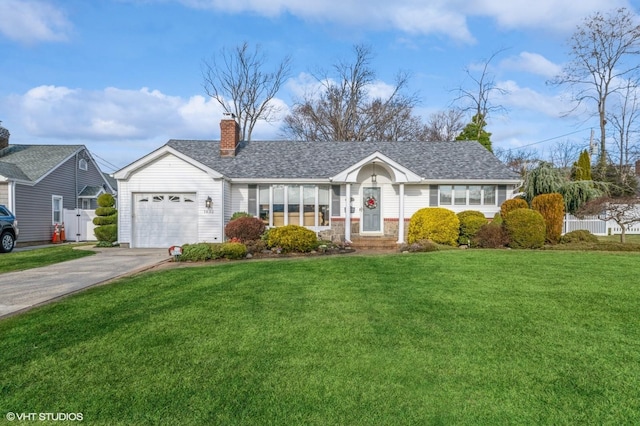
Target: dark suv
column 9, row 231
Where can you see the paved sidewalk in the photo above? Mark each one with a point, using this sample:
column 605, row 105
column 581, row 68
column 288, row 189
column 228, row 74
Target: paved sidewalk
column 23, row 290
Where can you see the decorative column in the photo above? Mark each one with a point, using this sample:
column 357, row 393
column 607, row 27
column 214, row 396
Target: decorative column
column 347, row 219
column 401, row 215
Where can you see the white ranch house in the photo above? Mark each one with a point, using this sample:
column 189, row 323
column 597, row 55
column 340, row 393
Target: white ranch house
column 187, row 190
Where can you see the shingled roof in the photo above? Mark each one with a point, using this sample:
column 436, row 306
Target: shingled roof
column 32, row 162
column 322, row 160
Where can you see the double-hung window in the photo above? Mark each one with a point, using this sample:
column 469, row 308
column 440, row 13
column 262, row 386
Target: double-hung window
column 56, row 209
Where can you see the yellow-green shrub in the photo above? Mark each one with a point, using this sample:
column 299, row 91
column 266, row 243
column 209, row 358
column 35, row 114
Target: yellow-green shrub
column 470, row 222
column 512, row 204
column 551, row 207
column 526, row 228
column 292, row 238
column 437, row 224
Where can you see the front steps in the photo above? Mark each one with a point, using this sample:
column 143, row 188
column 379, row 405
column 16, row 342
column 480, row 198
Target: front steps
column 375, row 243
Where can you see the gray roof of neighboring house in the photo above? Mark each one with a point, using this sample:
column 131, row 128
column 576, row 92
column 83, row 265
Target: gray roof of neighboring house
column 91, row 191
column 31, row 162
column 111, row 181
column 315, row 160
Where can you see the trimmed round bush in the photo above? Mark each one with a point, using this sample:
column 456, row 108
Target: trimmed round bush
column 229, row 251
column 578, row 236
column 470, row 222
column 245, row 229
column 526, row 229
column 491, row 235
column 292, row 238
column 437, row 224
column 512, row 204
column 497, row 219
column 551, row 207
column 106, row 200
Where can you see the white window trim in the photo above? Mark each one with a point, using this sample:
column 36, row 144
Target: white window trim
column 83, row 164
column 54, row 198
column 482, row 196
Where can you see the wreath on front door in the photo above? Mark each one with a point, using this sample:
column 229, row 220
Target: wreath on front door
column 371, row 203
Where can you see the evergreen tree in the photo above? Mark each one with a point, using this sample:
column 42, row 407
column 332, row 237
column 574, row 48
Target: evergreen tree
column 474, row 131
column 581, row 169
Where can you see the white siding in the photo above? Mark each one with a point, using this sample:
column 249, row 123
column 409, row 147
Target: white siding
column 416, row 197
column 239, row 201
column 166, row 175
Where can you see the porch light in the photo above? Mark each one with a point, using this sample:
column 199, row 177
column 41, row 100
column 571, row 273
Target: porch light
column 208, row 203
column 374, row 177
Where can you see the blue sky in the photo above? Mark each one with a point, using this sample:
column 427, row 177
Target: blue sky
column 124, row 76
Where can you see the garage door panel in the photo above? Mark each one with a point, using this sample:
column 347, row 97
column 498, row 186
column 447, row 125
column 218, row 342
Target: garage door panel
column 163, row 220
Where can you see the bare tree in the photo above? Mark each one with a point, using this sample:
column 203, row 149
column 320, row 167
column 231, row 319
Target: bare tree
column 623, row 211
column 445, row 125
column 563, row 154
column 625, row 120
column 603, row 50
column 518, row 160
column 477, row 99
column 342, row 109
column 237, row 79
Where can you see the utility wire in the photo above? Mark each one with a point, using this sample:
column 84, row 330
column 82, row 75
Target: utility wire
column 547, row 140
column 106, row 163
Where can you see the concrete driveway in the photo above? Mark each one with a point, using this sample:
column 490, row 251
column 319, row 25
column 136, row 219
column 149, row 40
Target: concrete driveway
column 20, row 291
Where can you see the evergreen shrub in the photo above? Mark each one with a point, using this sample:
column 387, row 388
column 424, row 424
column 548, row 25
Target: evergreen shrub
column 198, row 252
column 578, row 236
column 292, row 238
column 470, row 222
column 551, row 207
column 106, row 221
column 238, row 215
column 437, row 224
column 512, row 204
column 228, row 251
column 526, row 229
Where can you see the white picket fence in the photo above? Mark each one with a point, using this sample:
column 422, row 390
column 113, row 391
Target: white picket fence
column 78, row 225
column 597, row 226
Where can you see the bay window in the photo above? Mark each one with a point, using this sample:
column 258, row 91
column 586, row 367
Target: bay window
column 304, row 205
column 467, row 195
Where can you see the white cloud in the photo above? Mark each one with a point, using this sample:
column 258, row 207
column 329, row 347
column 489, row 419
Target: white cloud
column 114, row 114
column 533, row 63
column 526, row 99
column 555, row 15
column 32, row 21
column 445, row 17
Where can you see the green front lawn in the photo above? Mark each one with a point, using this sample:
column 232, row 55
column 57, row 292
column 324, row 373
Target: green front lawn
column 21, row 260
column 453, row 337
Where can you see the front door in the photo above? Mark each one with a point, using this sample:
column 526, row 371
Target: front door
column 371, row 210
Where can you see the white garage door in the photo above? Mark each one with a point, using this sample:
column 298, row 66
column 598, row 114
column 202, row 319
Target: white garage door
column 164, row 220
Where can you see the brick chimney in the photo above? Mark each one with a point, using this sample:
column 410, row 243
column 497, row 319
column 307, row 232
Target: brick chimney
column 229, row 136
column 4, row 137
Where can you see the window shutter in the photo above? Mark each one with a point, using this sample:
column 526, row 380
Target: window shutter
column 335, row 200
column 502, row 194
column 433, row 195
column 252, row 209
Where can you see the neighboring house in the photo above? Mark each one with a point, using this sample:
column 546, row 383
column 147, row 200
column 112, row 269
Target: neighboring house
column 186, row 191
column 38, row 182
